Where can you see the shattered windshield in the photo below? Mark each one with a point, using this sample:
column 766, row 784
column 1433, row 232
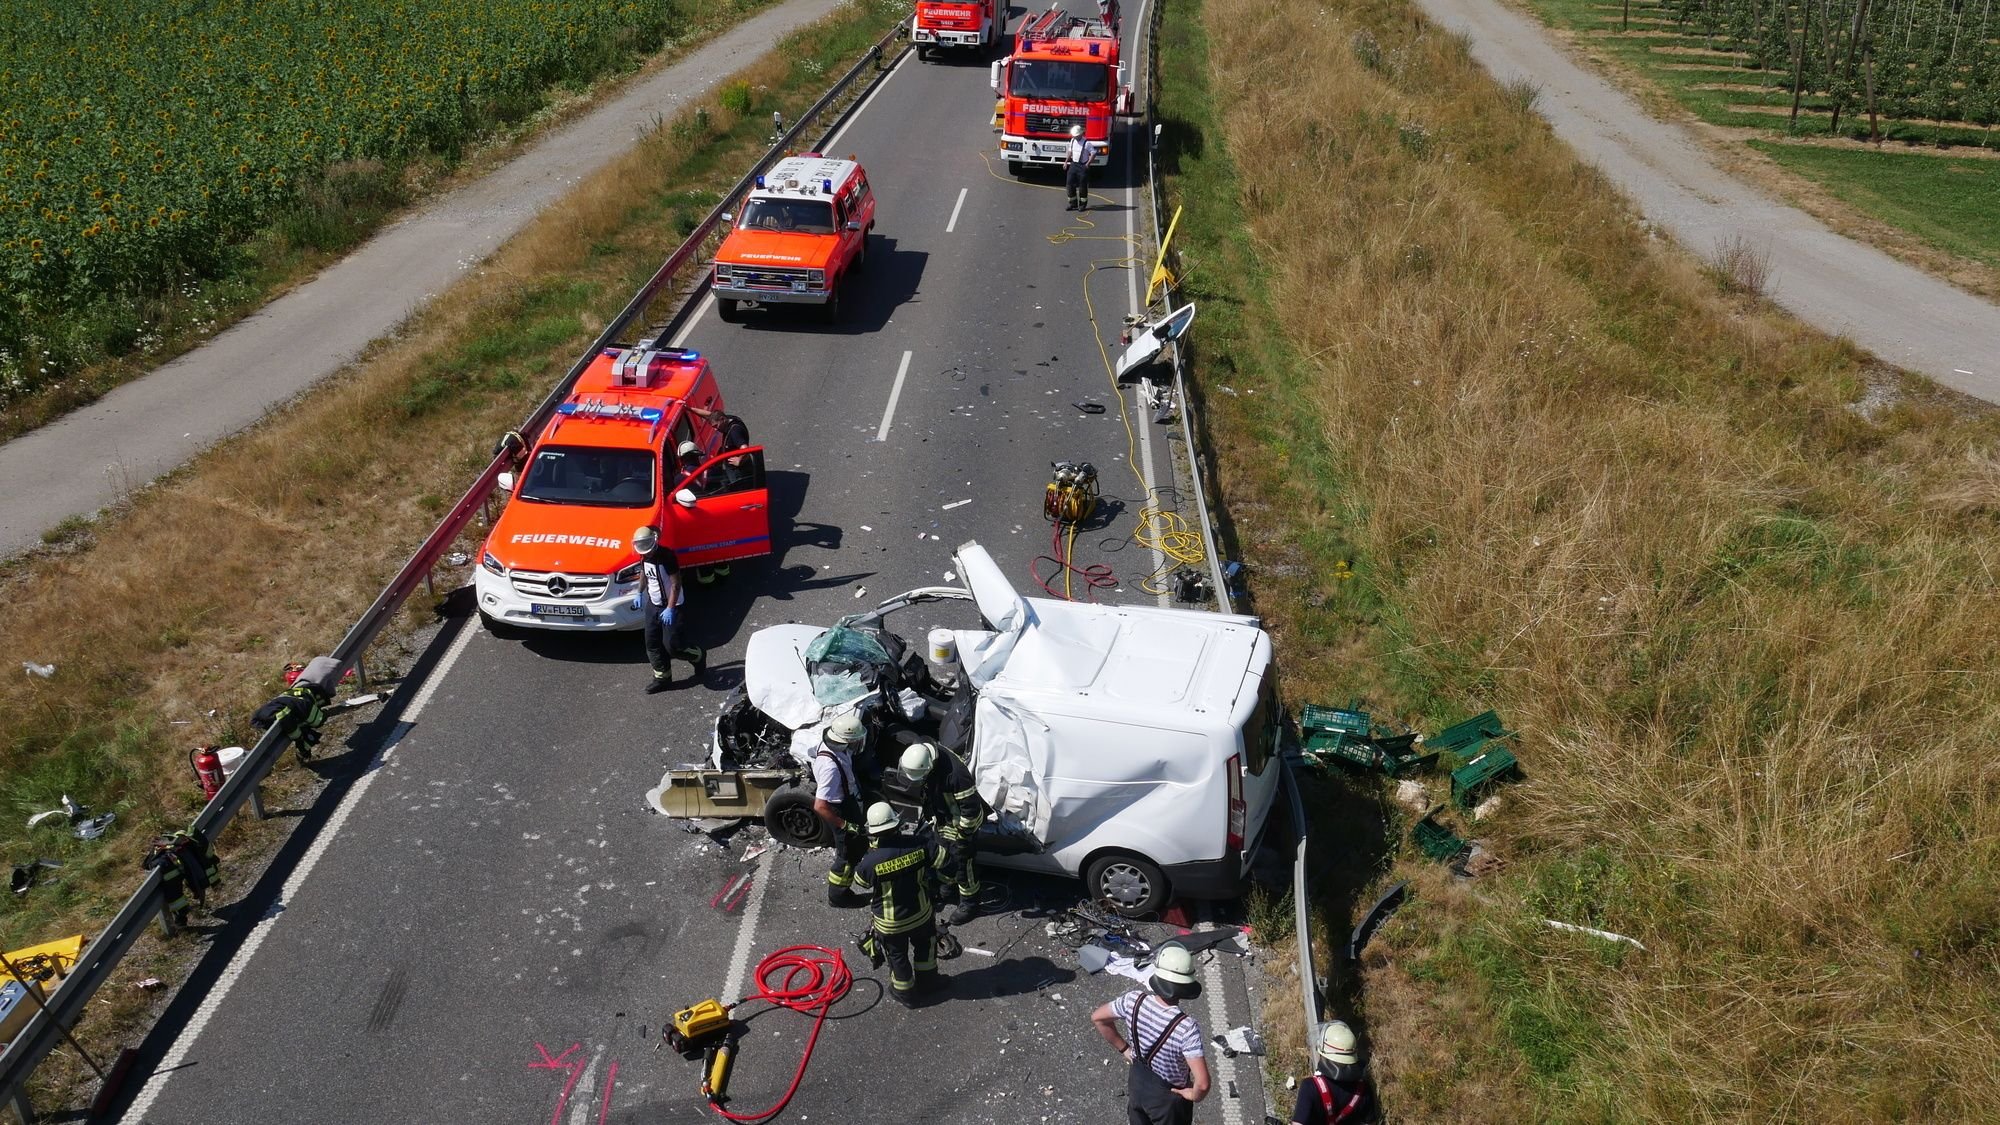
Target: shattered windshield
column 845, row 664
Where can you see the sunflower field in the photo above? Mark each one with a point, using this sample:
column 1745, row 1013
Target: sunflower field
column 138, row 138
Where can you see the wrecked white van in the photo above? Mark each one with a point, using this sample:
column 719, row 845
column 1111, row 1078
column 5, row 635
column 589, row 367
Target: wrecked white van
column 1132, row 746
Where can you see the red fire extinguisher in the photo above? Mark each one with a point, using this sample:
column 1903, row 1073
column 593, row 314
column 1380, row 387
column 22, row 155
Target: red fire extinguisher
column 207, row 770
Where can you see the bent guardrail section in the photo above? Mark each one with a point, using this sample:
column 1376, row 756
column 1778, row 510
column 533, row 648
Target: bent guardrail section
column 65, row 1006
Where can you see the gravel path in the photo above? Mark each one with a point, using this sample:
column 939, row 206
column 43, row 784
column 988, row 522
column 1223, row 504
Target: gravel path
column 94, row 456
column 1838, row 285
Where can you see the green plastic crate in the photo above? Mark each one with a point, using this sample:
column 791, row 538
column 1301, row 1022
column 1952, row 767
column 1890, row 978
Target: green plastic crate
column 1341, row 720
column 1435, row 840
column 1469, row 780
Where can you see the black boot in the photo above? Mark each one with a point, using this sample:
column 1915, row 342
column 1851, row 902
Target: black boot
column 660, row 683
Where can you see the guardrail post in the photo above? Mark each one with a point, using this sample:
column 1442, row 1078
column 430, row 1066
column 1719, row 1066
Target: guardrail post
column 430, row 582
column 257, row 801
column 22, row 1109
column 361, row 671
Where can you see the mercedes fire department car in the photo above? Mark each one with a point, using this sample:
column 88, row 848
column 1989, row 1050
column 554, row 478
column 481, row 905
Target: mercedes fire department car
column 560, row 556
column 799, row 234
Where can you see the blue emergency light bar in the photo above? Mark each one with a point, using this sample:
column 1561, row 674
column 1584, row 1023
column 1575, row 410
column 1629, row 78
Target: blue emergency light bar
column 1093, row 50
column 619, row 411
column 760, row 183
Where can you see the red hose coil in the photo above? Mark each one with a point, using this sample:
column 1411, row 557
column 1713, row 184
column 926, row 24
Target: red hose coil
column 804, row 978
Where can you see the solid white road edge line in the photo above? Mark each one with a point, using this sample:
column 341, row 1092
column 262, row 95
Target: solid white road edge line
column 680, row 338
column 895, row 392
column 952, row 225
column 232, row 972
column 1138, row 261
column 746, row 934
column 863, row 107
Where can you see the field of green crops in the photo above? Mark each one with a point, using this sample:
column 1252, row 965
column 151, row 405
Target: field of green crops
column 141, row 138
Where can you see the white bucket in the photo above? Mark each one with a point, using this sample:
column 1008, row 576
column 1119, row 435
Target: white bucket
column 231, row 757
column 944, row 647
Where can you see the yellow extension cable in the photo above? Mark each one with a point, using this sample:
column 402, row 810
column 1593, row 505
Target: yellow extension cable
column 1167, row 532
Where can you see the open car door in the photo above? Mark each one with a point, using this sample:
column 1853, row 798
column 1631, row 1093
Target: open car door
column 721, row 511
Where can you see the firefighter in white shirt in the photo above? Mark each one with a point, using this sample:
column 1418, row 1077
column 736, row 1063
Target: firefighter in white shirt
column 660, row 591
column 1076, row 168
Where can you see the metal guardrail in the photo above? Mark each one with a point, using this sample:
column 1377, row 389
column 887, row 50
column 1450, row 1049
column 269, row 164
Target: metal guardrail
column 1311, row 996
column 65, row 1005
column 1223, row 600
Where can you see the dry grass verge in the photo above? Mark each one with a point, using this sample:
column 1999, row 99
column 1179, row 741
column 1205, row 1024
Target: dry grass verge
column 1746, row 626
column 169, row 621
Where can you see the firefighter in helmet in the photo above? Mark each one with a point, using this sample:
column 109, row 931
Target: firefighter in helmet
column 900, row 871
column 936, row 782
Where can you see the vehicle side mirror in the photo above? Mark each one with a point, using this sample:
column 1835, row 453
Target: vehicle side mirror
column 1122, row 75
column 728, row 218
column 993, row 73
column 853, row 226
column 685, row 497
column 505, row 481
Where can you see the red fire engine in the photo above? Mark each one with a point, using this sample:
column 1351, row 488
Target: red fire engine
column 1064, row 71
column 970, row 24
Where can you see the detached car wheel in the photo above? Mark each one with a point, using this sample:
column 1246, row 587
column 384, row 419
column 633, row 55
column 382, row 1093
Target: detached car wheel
column 1135, row 886
column 790, row 817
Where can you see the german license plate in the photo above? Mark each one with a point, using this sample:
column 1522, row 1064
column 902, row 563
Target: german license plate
column 544, row 609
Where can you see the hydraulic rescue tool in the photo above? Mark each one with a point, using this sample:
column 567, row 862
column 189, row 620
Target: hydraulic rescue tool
column 804, row 978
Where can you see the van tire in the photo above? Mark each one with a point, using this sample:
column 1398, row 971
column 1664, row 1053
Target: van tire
column 496, row 630
column 791, row 820
column 861, row 256
column 1135, row 887
column 726, row 308
column 830, row 312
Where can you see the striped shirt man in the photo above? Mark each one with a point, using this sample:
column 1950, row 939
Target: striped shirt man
column 1153, row 1016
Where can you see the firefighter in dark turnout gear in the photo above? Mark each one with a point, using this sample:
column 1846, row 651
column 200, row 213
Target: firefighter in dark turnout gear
column 900, row 869
column 837, row 800
column 187, row 866
column 935, row 783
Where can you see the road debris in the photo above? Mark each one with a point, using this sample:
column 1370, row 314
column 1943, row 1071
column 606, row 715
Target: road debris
column 955, row 504
column 34, row 669
column 1605, row 934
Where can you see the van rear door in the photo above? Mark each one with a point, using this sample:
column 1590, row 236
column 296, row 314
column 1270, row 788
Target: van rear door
column 730, row 517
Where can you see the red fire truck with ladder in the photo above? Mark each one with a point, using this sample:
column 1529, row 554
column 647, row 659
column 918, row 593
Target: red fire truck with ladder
column 975, row 25
column 1064, row 71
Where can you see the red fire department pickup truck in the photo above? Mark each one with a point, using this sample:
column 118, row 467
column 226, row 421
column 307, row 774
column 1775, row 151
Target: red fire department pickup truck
column 560, row 556
column 799, row 234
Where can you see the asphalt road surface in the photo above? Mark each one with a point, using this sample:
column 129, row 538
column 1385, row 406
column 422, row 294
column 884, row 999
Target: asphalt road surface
column 100, row 454
column 489, row 926
column 1835, row 284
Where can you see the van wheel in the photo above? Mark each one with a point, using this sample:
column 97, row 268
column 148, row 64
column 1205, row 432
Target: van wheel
column 830, row 312
column 498, row 631
column 790, row 817
column 861, row 255
column 726, row 308
column 1014, row 168
column 1136, row 887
